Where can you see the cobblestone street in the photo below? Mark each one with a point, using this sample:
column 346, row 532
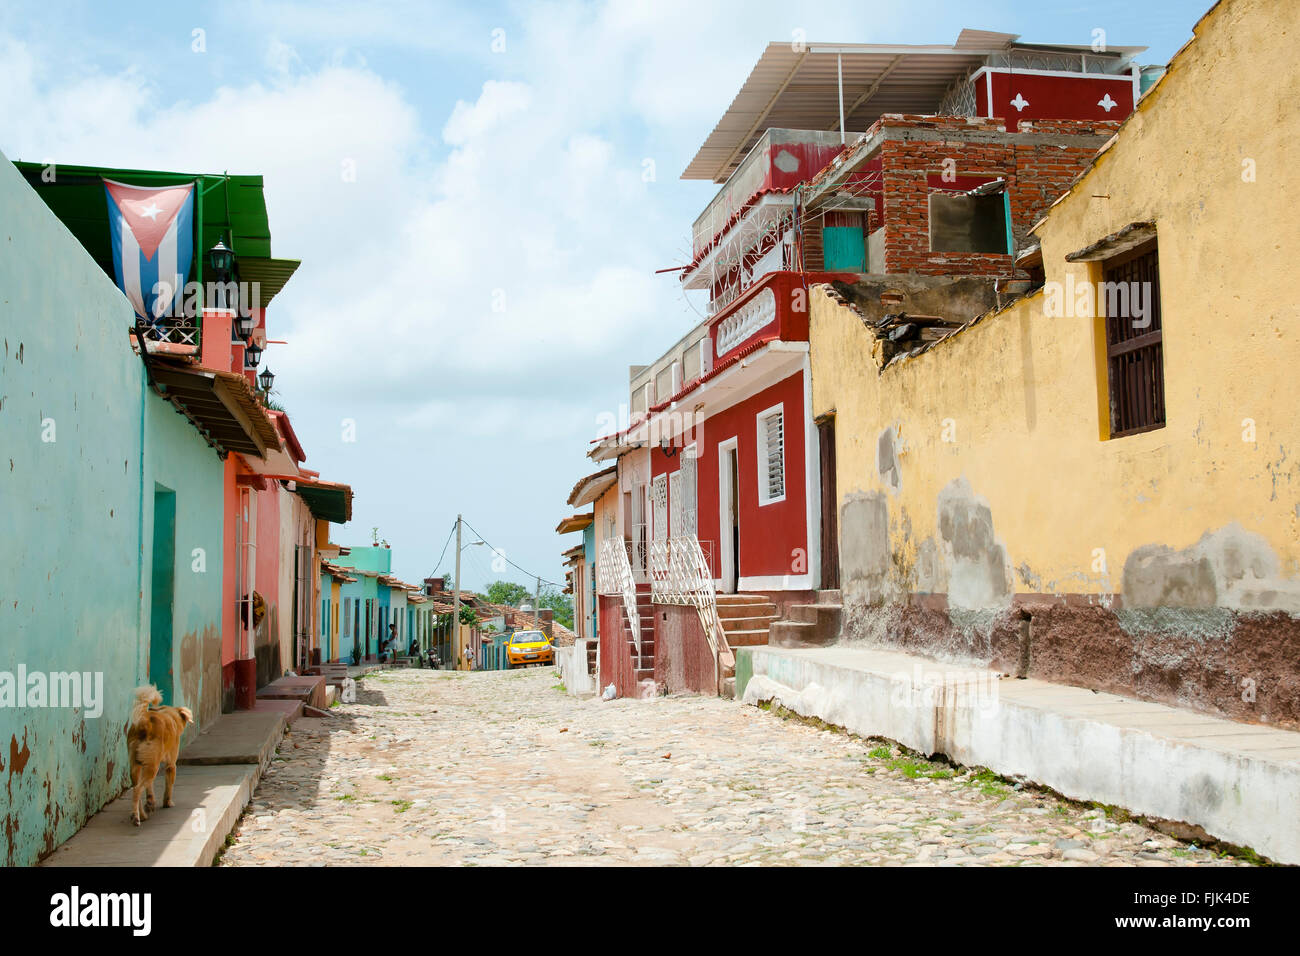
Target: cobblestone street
column 504, row 768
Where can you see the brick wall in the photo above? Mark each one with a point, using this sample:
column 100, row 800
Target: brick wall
column 1039, row 163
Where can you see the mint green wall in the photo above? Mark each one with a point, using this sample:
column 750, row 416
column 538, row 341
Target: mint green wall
column 76, row 523
column 176, row 457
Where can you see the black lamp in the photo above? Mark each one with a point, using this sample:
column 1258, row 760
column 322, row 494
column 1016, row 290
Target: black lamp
column 267, row 379
column 244, row 325
column 222, row 261
column 252, row 355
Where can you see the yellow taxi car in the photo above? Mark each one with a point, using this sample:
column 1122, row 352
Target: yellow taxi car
column 528, row 648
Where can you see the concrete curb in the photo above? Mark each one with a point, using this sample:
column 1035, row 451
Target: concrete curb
column 215, row 779
column 1239, row 782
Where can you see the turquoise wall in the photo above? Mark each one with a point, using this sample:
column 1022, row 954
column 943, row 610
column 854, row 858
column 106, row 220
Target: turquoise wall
column 177, row 458
column 380, row 561
column 82, row 447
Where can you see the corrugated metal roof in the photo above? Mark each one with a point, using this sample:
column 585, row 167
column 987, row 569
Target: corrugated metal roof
column 795, row 87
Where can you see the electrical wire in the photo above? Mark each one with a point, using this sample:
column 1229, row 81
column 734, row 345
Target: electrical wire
column 502, row 555
column 438, row 563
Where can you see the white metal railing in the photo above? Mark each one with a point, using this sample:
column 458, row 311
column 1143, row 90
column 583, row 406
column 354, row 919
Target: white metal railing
column 614, row 576
column 681, row 573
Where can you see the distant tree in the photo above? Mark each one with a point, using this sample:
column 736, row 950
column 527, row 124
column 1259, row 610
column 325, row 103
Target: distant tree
column 507, row 592
column 560, row 604
column 468, row 617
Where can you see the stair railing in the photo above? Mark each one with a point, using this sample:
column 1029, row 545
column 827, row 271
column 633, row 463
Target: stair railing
column 681, row 574
column 614, row 577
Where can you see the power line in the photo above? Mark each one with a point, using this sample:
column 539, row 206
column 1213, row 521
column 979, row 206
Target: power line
column 502, row 555
column 438, row 563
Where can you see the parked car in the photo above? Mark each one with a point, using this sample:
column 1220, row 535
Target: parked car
column 528, row 648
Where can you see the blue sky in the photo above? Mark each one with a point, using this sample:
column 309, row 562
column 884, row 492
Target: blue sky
column 472, row 296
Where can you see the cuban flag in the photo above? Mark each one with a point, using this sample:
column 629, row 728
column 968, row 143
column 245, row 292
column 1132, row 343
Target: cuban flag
column 153, row 244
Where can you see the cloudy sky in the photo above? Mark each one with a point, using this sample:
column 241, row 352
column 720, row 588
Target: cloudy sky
column 480, row 195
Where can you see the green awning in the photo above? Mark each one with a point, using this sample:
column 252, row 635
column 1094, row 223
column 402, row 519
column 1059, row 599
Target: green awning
column 326, row 500
column 228, row 208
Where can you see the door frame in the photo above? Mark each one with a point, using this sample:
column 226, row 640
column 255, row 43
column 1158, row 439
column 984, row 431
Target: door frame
column 829, row 502
column 728, row 501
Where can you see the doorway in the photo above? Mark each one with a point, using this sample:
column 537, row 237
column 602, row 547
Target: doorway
column 830, row 544
column 162, row 591
column 729, row 515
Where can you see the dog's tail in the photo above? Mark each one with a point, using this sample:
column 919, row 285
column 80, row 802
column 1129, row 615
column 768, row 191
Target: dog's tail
column 186, row 713
column 145, row 696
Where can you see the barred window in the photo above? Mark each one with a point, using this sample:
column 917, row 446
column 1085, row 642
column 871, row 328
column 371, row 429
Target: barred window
column 1130, row 295
column 771, row 455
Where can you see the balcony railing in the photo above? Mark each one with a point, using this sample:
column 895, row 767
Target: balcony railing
column 184, row 332
column 779, row 159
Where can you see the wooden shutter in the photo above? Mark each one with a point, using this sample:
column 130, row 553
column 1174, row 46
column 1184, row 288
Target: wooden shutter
column 1135, row 350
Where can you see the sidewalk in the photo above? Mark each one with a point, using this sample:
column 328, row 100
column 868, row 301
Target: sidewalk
column 1239, row 782
column 217, row 774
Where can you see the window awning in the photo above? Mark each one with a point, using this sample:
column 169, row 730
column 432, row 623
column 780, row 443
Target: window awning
column 221, row 405
column 327, row 500
column 588, row 489
column 575, row 523
column 1130, row 237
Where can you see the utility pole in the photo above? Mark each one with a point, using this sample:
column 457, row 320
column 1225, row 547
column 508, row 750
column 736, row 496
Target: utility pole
column 537, row 605
column 455, row 614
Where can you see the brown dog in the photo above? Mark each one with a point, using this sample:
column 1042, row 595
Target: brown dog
column 153, row 739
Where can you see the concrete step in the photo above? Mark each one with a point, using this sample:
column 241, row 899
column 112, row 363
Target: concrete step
column 827, row 615
column 291, row 709
column 746, row 609
column 246, row 736
column 748, row 623
column 729, row 688
column 742, row 599
column 829, row 597
column 798, row 634
column 747, row 638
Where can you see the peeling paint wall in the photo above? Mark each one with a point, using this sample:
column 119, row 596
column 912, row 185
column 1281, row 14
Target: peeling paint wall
column 978, row 479
column 83, row 446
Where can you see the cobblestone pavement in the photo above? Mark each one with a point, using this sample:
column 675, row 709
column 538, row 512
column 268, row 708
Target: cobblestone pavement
column 505, row 768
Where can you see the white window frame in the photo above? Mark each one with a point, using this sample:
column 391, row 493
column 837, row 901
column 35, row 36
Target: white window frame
column 760, row 442
column 690, row 509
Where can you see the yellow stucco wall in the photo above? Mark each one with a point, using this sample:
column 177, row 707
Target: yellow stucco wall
column 1020, row 394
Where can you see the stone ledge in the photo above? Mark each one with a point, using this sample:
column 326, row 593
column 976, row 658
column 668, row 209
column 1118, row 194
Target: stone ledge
column 1239, row 782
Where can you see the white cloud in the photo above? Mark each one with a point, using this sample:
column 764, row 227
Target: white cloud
column 529, row 193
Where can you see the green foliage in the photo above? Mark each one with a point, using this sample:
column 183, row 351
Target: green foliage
column 468, row 616
column 507, row 592
column 560, row 604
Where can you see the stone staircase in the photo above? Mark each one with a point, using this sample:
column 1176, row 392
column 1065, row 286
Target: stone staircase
column 643, row 667
column 745, row 621
column 745, row 618
column 810, row 625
